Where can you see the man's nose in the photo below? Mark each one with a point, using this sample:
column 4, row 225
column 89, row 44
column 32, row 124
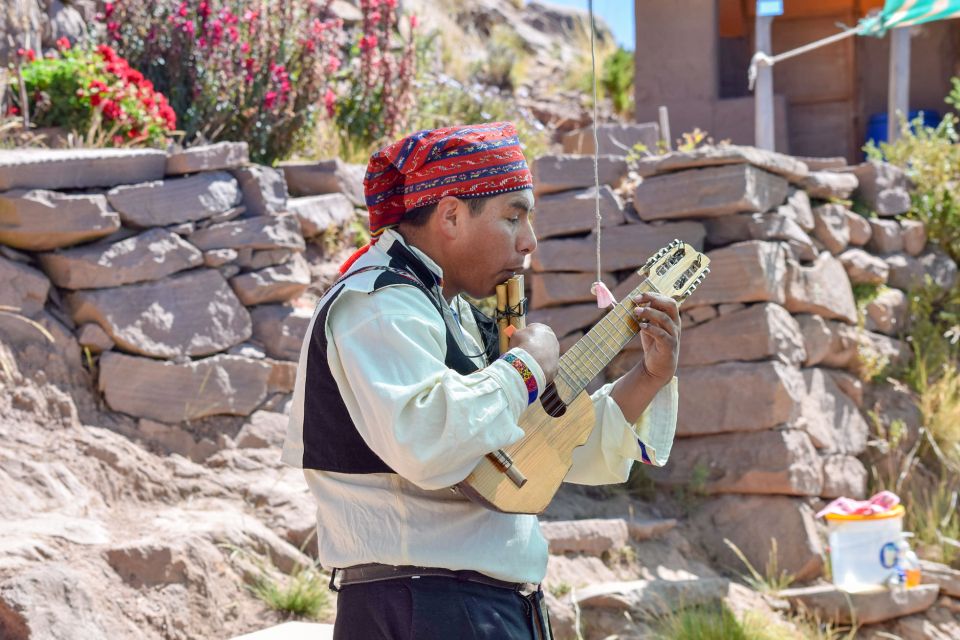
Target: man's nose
column 527, row 241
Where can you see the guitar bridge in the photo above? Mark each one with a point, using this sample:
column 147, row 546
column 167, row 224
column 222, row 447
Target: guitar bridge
column 506, row 465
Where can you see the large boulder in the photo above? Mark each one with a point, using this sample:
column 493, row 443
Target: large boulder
column 325, row 176
column 863, row 267
column 843, row 476
column 264, row 190
column 709, row 193
column 151, row 255
column 40, row 220
column 208, row 157
column 260, row 232
column 882, row 187
column 172, row 393
column 175, row 200
column 830, row 417
column 708, row 156
column 280, row 329
column 192, row 314
column 278, row 283
column 830, row 227
column 886, row 237
column 317, row 214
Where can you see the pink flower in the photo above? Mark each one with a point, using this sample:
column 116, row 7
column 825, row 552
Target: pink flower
column 330, row 102
column 414, row 21
column 368, row 42
column 108, row 10
column 333, row 64
column 189, row 28
column 63, row 43
column 270, row 99
column 234, row 35
column 182, row 10
column 29, row 54
column 245, row 47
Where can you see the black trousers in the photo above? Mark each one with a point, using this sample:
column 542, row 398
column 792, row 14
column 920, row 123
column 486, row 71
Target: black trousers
column 435, row 608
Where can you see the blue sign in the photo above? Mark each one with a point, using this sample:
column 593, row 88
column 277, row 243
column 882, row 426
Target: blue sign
column 769, row 7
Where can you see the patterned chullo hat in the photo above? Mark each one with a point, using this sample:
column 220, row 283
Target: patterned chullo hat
column 469, row 161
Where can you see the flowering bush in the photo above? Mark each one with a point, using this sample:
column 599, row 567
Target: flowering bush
column 378, row 107
column 94, row 92
column 234, row 69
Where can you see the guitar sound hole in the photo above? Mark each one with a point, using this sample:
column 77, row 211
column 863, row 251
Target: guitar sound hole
column 551, row 402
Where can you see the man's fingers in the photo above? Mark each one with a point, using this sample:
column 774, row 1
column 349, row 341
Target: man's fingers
column 663, row 303
column 658, row 318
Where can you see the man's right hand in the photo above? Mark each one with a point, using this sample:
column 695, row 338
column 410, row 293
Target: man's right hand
column 540, row 342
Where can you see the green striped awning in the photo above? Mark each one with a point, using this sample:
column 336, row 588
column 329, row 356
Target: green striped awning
column 903, row 13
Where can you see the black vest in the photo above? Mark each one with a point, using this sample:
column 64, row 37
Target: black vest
column 331, row 441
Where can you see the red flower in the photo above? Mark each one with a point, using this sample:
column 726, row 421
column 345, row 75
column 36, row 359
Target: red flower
column 368, row 42
column 63, row 43
column 118, row 140
column 107, row 53
column 112, row 110
column 29, row 54
column 189, row 28
column 414, row 21
column 182, row 10
column 233, row 34
column 108, row 10
column 270, row 99
column 13, row 111
column 203, row 10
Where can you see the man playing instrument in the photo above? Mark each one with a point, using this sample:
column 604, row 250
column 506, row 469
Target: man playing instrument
column 401, row 391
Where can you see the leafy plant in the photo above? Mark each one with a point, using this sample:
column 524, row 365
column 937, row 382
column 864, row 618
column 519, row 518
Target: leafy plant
column 95, row 93
column 616, row 78
column 503, row 65
column 772, row 580
column 718, row 622
column 234, row 69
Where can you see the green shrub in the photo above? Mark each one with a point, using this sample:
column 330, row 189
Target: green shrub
column 97, row 95
column 304, row 593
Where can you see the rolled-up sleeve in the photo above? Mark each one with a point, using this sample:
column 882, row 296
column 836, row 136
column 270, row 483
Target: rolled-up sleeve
column 614, row 444
column 428, row 422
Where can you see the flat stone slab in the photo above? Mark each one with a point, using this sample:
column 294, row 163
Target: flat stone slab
column 822, row 288
column 864, row 607
column 710, row 156
column 568, row 172
column 320, row 213
column 208, row 157
column 759, row 226
column 278, row 283
column 151, row 255
column 753, row 271
column 280, row 329
column 172, row 393
column 624, row 247
column 652, row 597
column 193, row 314
column 759, row 332
column 573, row 212
column 940, row 574
column 24, row 287
column 556, row 289
column 592, row 536
column 829, row 184
column 78, row 168
column 615, row 139
column 325, row 176
column 41, row 220
column 175, row 200
column 737, row 397
column 709, row 193
column 782, row 462
column 260, row 232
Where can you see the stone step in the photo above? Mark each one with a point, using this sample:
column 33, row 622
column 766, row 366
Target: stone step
column 78, row 168
column 652, row 597
column 863, row 607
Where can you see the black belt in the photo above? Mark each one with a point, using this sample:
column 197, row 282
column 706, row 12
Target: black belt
column 364, row 573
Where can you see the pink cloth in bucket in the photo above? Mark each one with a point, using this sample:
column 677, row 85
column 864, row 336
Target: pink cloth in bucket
column 879, row 503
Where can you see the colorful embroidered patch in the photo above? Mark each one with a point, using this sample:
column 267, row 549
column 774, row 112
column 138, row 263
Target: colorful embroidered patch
column 528, row 378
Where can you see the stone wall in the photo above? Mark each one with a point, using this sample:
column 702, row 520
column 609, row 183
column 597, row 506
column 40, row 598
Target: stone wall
column 771, row 397
column 187, row 273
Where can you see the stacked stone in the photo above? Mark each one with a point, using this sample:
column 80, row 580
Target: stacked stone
column 181, row 270
column 770, row 421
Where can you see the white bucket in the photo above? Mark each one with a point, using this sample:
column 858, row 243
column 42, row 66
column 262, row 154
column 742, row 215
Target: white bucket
column 863, row 548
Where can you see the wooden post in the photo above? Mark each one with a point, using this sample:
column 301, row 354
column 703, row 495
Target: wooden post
column 763, row 137
column 665, row 139
column 898, row 92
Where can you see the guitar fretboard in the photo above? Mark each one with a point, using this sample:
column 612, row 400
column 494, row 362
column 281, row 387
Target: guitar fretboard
column 594, row 351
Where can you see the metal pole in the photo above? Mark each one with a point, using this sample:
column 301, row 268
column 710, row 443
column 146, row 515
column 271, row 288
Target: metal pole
column 898, row 92
column 763, row 123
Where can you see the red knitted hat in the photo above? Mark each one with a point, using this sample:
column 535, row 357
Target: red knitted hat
column 469, row 161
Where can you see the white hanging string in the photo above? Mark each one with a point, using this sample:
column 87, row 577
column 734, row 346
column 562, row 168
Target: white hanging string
column 604, row 297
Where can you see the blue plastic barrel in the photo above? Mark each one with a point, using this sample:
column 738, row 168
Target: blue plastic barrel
column 877, row 125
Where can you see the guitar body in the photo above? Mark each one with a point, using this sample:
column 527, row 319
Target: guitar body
column 543, row 455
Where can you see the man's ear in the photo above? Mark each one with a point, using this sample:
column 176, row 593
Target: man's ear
column 449, row 216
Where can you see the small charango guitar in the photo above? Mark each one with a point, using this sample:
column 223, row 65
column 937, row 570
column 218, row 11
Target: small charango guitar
column 563, row 417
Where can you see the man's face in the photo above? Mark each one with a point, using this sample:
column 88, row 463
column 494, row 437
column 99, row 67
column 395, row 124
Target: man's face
column 493, row 244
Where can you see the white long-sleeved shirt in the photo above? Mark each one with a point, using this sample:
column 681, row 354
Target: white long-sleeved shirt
column 432, row 425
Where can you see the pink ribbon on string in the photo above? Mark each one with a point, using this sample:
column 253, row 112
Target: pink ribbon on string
column 604, row 297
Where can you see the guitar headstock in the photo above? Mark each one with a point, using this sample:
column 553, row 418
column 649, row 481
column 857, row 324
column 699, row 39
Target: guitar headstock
column 676, row 270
